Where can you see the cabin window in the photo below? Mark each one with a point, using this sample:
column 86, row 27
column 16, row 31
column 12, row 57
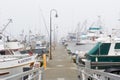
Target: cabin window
column 117, row 46
column 37, row 44
column 2, row 52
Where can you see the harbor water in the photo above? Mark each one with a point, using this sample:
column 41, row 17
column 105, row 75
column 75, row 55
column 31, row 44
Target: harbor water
column 84, row 47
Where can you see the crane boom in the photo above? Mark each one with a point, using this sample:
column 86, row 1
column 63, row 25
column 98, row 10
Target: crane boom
column 5, row 26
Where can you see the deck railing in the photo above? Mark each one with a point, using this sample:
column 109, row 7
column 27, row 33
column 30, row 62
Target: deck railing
column 35, row 74
column 85, row 73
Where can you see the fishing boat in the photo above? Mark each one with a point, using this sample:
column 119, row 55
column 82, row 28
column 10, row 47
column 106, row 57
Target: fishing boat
column 12, row 62
column 14, row 45
column 41, row 45
column 103, row 56
column 92, row 33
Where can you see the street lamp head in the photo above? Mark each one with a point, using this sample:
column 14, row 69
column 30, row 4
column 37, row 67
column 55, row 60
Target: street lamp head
column 56, row 15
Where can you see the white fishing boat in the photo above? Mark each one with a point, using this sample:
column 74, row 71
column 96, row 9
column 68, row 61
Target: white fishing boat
column 14, row 45
column 92, row 33
column 41, row 45
column 14, row 62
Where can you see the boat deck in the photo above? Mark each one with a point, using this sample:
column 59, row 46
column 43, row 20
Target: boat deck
column 61, row 66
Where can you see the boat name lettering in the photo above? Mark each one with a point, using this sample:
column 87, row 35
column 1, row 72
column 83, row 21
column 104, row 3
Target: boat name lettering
column 24, row 60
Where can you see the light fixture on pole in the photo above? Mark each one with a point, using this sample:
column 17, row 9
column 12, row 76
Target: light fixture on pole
column 51, row 30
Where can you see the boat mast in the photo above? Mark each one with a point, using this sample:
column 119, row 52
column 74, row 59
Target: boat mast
column 99, row 24
column 78, row 31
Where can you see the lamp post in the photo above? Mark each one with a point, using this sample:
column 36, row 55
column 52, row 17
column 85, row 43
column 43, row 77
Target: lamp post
column 51, row 31
column 55, row 35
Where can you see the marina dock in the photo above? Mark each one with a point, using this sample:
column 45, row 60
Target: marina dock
column 61, row 67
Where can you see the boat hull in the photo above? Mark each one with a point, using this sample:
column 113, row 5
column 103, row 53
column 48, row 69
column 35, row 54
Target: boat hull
column 12, row 67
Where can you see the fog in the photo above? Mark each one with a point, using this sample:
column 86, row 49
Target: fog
column 34, row 15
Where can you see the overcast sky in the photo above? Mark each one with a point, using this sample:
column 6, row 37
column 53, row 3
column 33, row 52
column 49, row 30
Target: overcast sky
column 28, row 14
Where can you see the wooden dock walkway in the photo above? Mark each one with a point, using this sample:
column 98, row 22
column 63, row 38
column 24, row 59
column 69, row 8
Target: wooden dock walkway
column 61, row 66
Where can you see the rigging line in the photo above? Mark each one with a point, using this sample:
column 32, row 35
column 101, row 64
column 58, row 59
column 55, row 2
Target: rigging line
column 85, row 25
column 44, row 22
column 7, row 33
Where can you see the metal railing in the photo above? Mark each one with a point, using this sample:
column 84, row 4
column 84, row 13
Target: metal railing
column 35, row 74
column 89, row 74
column 85, row 73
